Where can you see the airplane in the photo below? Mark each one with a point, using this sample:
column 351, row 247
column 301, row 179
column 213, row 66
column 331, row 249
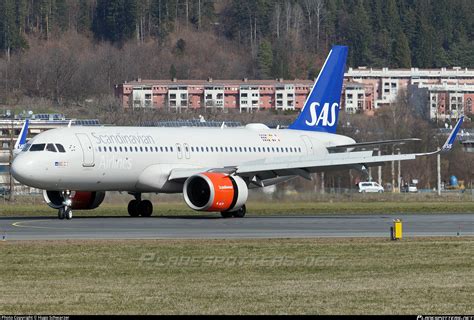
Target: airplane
column 213, row 168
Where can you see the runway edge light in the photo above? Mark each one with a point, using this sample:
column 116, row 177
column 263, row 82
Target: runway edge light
column 396, row 231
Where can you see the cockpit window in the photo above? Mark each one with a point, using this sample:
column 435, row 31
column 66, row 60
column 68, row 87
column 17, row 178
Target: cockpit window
column 50, row 147
column 26, row 147
column 60, row 148
column 37, row 147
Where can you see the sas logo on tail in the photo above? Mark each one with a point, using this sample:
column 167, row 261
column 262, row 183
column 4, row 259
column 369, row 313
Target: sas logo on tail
column 327, row 116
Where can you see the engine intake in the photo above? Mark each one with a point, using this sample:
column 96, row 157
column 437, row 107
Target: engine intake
column 215, row 192
column 80, row 200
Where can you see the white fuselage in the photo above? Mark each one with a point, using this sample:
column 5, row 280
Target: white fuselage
column 140, row 159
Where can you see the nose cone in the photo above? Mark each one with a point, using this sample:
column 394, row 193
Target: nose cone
column 23, row 170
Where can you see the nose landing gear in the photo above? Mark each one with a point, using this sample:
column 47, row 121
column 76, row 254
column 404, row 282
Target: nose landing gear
column 139, row 207
column 65, row 212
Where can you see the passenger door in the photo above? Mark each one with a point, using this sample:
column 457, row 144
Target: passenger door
column 87, row 150
column 186, row 151
column 308, row 144
column 179, row 151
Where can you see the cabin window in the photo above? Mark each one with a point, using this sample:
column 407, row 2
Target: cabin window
column 50, row 147
column 26, row 147
column 37, row 147
column 60, row 148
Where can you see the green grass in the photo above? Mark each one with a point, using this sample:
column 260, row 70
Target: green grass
column 257, row 208
column 342, row 276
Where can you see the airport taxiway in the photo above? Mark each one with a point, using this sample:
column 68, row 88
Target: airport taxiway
column 211, row 227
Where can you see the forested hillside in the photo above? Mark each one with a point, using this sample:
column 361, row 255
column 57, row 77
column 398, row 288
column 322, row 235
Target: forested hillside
column 72, row 49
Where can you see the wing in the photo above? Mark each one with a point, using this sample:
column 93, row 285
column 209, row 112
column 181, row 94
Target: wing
column 372, row 144
column 269, row 170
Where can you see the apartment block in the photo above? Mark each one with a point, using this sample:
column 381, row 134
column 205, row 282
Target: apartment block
column 365, row 90
column 449, row 89
column 244, row 95
column 449, row 101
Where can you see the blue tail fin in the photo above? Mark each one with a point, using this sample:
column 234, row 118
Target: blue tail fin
column 21, row 141
column 23, row 135
column 321, row 110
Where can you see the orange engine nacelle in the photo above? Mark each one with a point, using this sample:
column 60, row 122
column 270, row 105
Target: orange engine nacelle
column 80, row 200
column 215, row 192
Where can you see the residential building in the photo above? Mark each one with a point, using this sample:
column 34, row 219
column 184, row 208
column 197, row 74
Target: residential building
column 382, row 87
column 244, row 95
column 365, row 90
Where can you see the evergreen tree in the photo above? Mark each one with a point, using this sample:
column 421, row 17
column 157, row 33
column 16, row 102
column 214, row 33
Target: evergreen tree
column 10, row 35
column 61, row 18
column 265, row 60
column 115, row 20
column 280, row 60
column 173, row 71
column 463, row 50
column 360, row 36
column 84, row 19
column 401, row 52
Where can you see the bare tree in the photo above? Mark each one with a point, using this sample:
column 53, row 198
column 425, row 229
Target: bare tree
column 288, row 14
column 319, row 19
column 314, row 11
column 276, row 19
column 309, row 6
column 297, row 15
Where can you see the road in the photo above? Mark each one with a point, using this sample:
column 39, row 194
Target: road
column 199, row 227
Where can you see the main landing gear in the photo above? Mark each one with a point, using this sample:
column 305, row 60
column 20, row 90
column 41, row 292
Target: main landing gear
column 236, row 214
column 65, row 212
column 139, row 207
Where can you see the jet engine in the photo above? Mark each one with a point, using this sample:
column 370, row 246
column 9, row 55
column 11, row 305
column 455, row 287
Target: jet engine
column 215, row 192
column 80, row 200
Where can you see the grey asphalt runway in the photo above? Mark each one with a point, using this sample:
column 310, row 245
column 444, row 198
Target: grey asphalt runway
column 198, row 227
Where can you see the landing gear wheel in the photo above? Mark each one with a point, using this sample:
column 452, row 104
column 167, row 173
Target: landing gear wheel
column 68, row 213
column 240, row 213
column 61, row 215
column 65, row 213
column 133, row 208
column 226, row 215
column 145, row 208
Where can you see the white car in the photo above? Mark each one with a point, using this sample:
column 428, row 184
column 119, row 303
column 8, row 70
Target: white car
column 370, row 187
column 409, row 188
